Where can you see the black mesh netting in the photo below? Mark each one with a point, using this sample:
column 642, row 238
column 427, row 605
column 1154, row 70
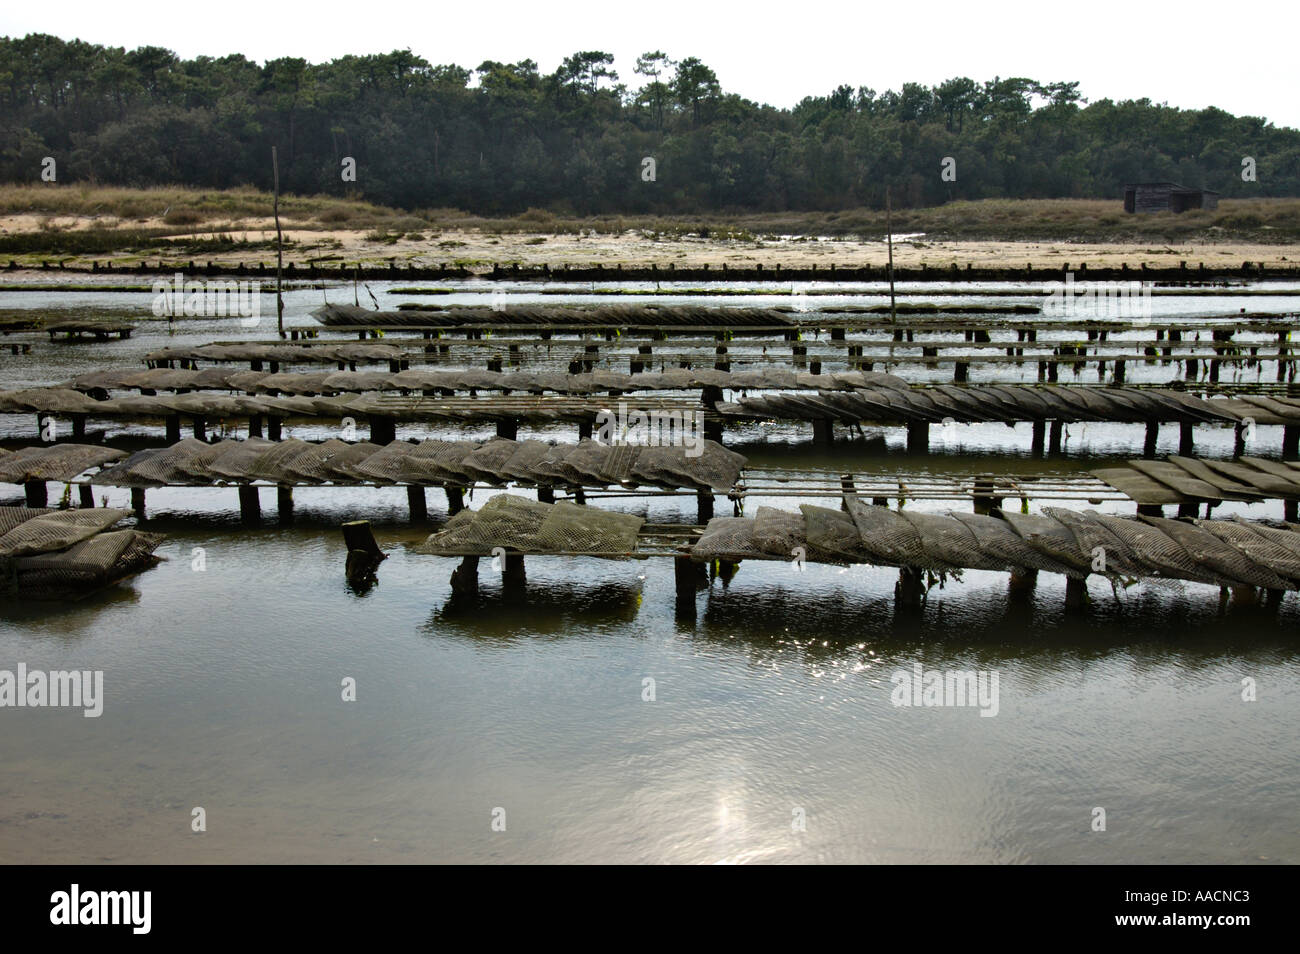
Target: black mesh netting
column 527, row 526
column 91, row 563
column 57, row 530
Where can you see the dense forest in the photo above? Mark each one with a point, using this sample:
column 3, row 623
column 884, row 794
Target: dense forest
column 504, row 137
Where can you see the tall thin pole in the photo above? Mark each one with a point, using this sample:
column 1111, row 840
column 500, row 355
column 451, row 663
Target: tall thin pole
column 889, row 235
column 279, row 244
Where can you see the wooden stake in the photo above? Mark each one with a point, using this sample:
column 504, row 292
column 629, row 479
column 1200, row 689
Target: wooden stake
column 279, row 244
column 889, row 237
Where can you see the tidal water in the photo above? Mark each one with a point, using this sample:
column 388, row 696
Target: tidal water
column 591, row 721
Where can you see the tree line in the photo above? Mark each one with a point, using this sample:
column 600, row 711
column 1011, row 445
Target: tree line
column 505, row 137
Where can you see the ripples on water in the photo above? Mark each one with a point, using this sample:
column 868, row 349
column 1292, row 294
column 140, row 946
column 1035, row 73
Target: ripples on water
column 223, row 691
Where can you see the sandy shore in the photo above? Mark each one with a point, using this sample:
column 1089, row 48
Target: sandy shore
column 479, row 249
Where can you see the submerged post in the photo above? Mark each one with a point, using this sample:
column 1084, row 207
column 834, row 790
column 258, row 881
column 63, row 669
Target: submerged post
column 417, row 503
column 36, row 493
column 364, row 555
column 1290, row 441
column 464, row 579
column 250, row 507
column 284, row 502
column 918, row 436
column 1153, row 434
column 1037, row 440
column 513, row 575
column 1022, row 583
column 686, row 575
column 1054, row 437
column 909, row 589
column 455, row 500
column 1076, row 593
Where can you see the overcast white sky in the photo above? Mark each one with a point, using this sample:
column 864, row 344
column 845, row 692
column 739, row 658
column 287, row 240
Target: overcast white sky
column 1240, row 56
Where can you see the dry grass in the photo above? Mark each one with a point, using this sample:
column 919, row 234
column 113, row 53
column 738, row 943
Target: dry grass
column 180, row 211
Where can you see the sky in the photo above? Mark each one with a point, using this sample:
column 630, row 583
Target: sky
column 1240, row 57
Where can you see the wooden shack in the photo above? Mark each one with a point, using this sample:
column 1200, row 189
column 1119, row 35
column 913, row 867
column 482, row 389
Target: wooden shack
column 1167, row 197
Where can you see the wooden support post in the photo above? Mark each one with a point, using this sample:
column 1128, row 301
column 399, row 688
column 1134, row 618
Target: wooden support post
column 823, row 433
column 1289, row 512
column 1150, row 510
column 918, row 437
column 508, row 428
column 173, row 428
column 546, row 494
column 250, row 506
column 255, row 425
column 137, row 502
column 1185, row 439
column 87, row 495
column 584, row 430
column 417, row 503
column 1054, row 437
column 284, row 502
column 984, row 501
column 1290, row 441
column 360, row 539
column 1245, row 596
column 363, row 554
column 383, row 429
column 1238, row 439
column 847, row 489
column 1119, row 372
column 513, row 575
column 1039, row 432
column 36, row 493
column 455, row 500
column 1076, row 594
column 78, row 426
column 273, row 424
column 1021, row 585
column 1153, row 434
column 685, row 580
column 464, row 579
column 200, row 428
column 910, row 588
column 961, row 372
